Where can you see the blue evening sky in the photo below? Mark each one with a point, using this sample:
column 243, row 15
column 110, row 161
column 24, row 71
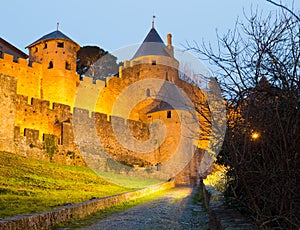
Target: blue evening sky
column 112, row 24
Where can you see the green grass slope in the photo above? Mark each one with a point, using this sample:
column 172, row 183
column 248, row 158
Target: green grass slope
column 30, row 186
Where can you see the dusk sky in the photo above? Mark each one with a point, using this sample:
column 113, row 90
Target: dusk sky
column 115, row 24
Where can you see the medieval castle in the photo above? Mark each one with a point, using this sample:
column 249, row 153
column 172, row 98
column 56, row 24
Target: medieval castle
column 42, row 99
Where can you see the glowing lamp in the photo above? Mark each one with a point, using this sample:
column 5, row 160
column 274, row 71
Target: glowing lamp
column 255, row 135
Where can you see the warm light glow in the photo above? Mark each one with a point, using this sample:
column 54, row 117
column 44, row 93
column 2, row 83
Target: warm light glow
column 255, row 135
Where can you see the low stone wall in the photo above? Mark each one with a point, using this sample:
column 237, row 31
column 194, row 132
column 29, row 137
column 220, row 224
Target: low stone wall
column 47, row 220
column 221, row 216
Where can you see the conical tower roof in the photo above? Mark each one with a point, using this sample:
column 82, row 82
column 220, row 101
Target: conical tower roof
column 53, row 35
column 152, row 45
column 171, row 99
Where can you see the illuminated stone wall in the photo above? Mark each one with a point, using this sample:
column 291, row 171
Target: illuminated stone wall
column 7, row 112
column 28, row 77
column 37, row 101
column 132, row 72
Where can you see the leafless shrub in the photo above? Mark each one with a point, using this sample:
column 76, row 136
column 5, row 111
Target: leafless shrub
column 258, row 67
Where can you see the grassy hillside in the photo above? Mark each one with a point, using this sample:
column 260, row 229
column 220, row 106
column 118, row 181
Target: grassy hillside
column 31, row 186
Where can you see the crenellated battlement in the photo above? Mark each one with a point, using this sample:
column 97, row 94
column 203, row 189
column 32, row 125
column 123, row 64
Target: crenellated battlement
column 88, row 81
column 40, row 104
column 28, row 74
column 94, row 100
column 48, row 112
column 8, row 61
column 46, row 117
column 36, row 81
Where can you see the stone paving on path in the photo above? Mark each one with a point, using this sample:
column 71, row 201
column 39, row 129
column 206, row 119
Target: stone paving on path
column 175, row 209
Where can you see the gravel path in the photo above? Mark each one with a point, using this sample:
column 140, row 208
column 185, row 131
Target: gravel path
column 173, row 210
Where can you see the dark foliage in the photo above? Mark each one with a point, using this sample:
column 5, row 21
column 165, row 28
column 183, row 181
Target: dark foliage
column 259, row 71
column 96, row 63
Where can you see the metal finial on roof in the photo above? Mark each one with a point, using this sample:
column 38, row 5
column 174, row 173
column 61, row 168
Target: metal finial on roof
column 153, row 21
column 57, row 25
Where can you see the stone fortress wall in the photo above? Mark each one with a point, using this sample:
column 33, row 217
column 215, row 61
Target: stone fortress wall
column 28, row 75
column 38, row 103
column 27, row 121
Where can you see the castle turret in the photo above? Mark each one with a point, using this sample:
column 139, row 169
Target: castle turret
column 152, row 60
column 57, row 54
column 154, row 51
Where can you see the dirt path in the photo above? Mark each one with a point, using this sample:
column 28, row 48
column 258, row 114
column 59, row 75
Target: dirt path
column 175, row 209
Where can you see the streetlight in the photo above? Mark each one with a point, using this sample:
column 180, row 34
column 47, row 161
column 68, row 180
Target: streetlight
column 255, row 135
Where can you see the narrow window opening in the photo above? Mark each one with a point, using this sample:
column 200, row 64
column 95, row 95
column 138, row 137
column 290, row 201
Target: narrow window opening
column 36, row 49
column 68, row 66
column 45, row 46
column 147, row 92
column 50, row 65
column 169, row 115
column 60, row 44
column 153, row 62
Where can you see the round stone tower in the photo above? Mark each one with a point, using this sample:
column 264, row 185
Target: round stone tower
column 155, row 60
column 57, row 54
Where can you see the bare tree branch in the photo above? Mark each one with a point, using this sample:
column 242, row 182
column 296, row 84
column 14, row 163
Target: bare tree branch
column 284, row 7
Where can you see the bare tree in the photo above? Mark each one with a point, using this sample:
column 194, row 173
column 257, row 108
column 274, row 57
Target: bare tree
column 285, row 8
column 258, row 67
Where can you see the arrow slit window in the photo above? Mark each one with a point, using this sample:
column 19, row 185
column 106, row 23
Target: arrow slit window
column 169, row 114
